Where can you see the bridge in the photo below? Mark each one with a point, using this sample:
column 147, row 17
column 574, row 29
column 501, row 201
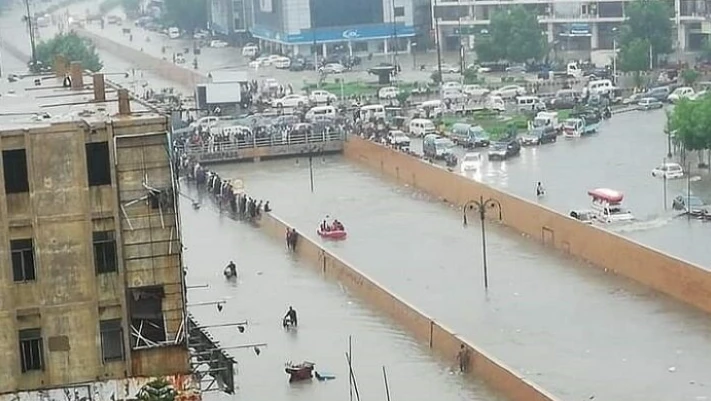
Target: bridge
column 257, row 148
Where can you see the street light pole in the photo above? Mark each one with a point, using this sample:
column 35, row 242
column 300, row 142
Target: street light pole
column 481, row 207
column 437, row 40
column 413, row 49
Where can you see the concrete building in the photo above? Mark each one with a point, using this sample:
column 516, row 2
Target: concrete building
column 92, row 293
column 231, row 18
column 346, row 26
column 570, row 25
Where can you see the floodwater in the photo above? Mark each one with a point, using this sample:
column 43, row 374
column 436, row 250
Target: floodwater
column 573, row 329
column 270, row 281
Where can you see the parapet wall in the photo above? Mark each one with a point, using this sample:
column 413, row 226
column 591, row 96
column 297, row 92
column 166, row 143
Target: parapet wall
column 675, row 277
column 140, row 60
column 440, row 338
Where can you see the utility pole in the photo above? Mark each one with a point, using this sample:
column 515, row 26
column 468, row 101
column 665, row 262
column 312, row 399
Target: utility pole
column 31, row 31
column 437, row 41
column 395, row 41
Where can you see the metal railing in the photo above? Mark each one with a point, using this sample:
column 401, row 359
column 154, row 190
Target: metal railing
column 295, row 140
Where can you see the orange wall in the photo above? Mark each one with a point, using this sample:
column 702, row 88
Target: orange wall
column 677, row 278
column 440, row 338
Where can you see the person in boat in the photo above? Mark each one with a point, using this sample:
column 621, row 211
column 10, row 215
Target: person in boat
column 324, row 226
column 539, row 190
column 290, row 318
column 337, row 225
column 231, row 269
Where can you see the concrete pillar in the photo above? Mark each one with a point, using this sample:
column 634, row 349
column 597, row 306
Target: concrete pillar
column 61, row 66
column 551, row 33
column 99, row 88
column 124, row 102
column 681, row 37
column 77, row 75
column 324, row 50
column 385, row 46
column 296, row 50
column 595, row 36
column 409, row 46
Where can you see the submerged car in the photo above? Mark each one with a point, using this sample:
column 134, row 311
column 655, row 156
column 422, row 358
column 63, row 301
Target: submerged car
column 649, row 103
column 668, row 171
column 505, row 149
column 539, row 136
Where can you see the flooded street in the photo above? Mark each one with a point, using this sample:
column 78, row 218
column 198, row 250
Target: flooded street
column 270, row 281
column 574, row 330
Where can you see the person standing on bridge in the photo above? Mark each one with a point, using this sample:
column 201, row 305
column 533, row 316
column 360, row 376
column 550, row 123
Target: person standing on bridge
column 463, row 358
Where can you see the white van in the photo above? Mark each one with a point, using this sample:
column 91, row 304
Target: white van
column 435, row 108
column 529, row 103
column 421, row 127
column 173, row 32
column 600, row 87
column 319, row 112
column 376, row 111
column 250, row 51
column 574, row 70
column 495, row 103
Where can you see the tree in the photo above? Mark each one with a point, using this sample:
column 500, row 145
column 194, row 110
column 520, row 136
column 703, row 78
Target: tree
column 187, row 15
column 689, row 76
column 73, row 48
column 514, row 35
column 132, row 8
column 650, row 21
column 634, row 56
column 690, row 123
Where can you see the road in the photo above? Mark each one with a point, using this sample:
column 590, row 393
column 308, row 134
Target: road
column 270, row 280
column 573, row 329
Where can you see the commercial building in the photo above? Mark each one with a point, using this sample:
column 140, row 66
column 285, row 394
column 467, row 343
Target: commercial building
column 327, row 26
column 231, row 18
column 92, row 292
column 570, row 25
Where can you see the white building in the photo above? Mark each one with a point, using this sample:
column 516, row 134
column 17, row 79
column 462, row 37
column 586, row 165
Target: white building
column 571, row 25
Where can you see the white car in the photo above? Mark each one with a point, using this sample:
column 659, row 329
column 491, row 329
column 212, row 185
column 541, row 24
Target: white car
column 475, row 90
column 470, row 162
column 270, row 84
column 291, row 101
column 668, row 171
column 332, row 68
column 260, row 62
column 282, row 62
column 509, row 91
column 698, row 95
column 389, row 92
column 321, row 96
column 201, row 34
column 273, row 58
column 448, row 69
column 218, row 44
column 399, row 139
column 680, row 93
column 451, row 85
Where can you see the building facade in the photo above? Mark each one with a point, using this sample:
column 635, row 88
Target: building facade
column 231, row 19
column 91, row 278
column 574, row 25
column 327, row 26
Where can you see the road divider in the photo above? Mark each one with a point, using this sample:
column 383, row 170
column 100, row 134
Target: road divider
column 675, row 277
column 440, row 339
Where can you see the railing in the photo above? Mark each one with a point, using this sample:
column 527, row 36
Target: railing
column 292, row 143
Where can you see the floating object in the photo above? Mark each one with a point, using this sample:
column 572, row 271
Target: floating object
column 299, row 372
column 332, row 234
column 324, row 376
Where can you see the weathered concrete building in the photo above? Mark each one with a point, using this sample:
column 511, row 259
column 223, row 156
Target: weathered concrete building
column 92, row 287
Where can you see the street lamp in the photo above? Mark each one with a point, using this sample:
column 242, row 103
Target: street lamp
column 664, row 177
column 614, row 55
column 482, row 206
column 413, row 49
column 310, row 151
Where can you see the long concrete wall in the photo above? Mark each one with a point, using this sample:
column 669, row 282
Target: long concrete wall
column 675, row 277
column 163, row 68
column 441, row 339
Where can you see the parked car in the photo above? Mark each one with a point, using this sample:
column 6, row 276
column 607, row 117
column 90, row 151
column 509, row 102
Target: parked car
column 634, row 98
column 563, row 99
column 680, row 93
column 399, row 139
column 504, row 149
column 388, row 92
column 261, row 61
column 218, row 44
column 509, row 91
column 660, row 93
column 281, row 62
column 448, row 69
column 516, row 69
column 649, row 103
column 332, row 68
column 451, row 85
column 668, row 171
column 539, row 136
column 300, row 64
column 322, row 96
column 291, row 101
column 476, row 91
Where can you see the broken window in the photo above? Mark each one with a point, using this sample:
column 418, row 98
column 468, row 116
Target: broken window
column 146, row 312
column 23, row 260
column 98, row 164
column 14, row 164
column 31, row 350
column 111, row 340
column 105, row 259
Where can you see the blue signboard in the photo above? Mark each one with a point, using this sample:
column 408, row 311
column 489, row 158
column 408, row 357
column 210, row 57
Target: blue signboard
column 342, row 34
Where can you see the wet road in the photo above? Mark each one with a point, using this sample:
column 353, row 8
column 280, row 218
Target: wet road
column 271, row 279
column 574, row 330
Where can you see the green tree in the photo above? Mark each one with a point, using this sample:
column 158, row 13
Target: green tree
column 690, row 121
column 187, row 15
column 157, row 390
column 514, row 35
column 689, row 76
column 470, row 76
column 132, row 8
column 706, row 49
column 73, row 48
column 634, row 57
column 650, row 21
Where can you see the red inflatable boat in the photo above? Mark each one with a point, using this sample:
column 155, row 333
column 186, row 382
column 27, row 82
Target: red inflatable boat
column 332, row 234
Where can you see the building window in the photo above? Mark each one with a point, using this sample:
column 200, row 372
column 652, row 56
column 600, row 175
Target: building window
column 399, row 12
column 111, row 340
column 146, row 314
column 23, row 260
column 31, row 350
column 14, row 164
column 98, row 163
column 105, row 252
